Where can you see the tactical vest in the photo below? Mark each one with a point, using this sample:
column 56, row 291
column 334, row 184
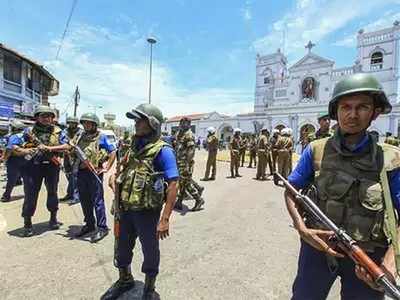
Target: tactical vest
column 48, row 139
column 348, row 189
column 90, row 146
column 142, row 188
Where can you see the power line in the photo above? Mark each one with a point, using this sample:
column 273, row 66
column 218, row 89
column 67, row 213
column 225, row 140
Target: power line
column 66, row 27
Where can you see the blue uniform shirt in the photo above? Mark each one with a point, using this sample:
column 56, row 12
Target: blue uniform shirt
column 303, row 174
column 165, row 161
column 105, row 144
column 16, row 139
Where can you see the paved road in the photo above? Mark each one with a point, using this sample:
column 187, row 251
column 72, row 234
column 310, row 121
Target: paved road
column 239, row 247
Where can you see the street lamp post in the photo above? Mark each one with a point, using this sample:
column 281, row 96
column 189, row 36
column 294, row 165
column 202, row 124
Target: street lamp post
column 151, row 41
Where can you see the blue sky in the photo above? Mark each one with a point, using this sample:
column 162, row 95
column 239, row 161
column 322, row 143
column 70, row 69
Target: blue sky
column 205, row 56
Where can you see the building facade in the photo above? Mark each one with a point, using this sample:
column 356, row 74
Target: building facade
column 23, row 84
column 294, row 96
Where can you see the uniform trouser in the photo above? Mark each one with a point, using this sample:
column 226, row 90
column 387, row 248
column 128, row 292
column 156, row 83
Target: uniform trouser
column 262, row 164
column 189, row 186
column 91, row 194
column 242, row 154
column 283, row 162
column 253, row 158
column 270, row 165
column 211, row 165
column 14, row 167
column 33, row 176
column 235, row 162
column 274, row 160
column 315, row 278
column 72, row 189
column 142, row 224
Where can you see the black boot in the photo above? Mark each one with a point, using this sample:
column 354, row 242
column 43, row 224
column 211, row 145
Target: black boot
column 28, row 230
column 122, row 285
column 199, row 203
column 149, row 288
column 53, row 223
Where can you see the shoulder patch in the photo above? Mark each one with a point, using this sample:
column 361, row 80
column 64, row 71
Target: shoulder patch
column 391, row 156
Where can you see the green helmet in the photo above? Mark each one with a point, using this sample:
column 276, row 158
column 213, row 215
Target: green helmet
column 148, row 112
column 44, row 109
column 17, row 125
column 91, row 118
column 72, row 120
column 359, row 83
column 323, row 115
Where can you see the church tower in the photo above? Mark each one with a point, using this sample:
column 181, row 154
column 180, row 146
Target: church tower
column 270, row 69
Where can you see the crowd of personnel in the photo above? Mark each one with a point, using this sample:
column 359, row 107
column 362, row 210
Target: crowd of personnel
column 348, row 175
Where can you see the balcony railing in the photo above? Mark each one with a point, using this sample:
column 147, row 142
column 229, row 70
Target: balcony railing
column 12, row 86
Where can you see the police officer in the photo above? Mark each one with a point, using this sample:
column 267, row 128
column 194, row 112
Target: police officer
column 263, row 153
column 234, row 148
column 47, row 141
column 14, row 163
column 101, row 154
column 242, row 151
column 274, row 152
column 253, row 151
column 72, row 176
column 212, row 147
column 284, row 146
column 345, row 174
column 185, row 150
column 149, row 166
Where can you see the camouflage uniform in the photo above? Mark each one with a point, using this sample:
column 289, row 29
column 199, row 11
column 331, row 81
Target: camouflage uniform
column 185, row 150
column 124, row 144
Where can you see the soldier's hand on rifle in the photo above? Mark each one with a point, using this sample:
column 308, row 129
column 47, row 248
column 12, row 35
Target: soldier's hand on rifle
column 163, row 229
column 319, row 240
column 363, row 275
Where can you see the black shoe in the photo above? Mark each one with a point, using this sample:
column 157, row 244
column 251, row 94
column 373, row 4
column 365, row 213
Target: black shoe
column 53, row 223
column 199, row 203
column 204, row 179
column 5, row 199
column 201, row 190
column 84, row 231
column 28, row 229
column 122, row 285
column 238, row 175
column 73, row 201
column 99, row 235
column 212, row 178
column 149, row 288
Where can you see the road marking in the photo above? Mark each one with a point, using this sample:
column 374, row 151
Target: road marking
column 3, row 223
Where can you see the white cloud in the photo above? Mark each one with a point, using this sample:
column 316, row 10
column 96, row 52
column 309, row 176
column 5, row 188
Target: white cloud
column 313, row 20
column 119, row 86
column 246, row 12
column 385, row 21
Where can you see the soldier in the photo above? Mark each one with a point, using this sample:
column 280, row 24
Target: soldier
column 242, row 151
column 185, row 150
column 391, row 140
column 284, row 146
column 274, row 151
column 43, row 164
column 212, row 147
column 324, row 126
column 347, row 175
column 101, row 154
column 124, row 144
column 234, row 147
column 263, row 153
column 149, row 165
column 253, row 151
column 72, row 190
column 14, row 163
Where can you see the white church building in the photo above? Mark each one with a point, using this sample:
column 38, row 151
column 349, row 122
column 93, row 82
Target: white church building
column 293, row 96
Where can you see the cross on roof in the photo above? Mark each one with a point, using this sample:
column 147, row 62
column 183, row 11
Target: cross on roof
column 309, row 46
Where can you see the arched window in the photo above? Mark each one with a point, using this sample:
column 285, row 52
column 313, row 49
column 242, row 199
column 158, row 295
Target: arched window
column 376, row 60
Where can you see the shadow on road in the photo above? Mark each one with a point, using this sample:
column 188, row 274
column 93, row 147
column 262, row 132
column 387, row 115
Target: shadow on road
column 38, row 229
column 72, row 231
column 135, row 293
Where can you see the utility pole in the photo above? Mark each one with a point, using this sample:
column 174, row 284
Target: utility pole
column 76, row 100
column 151, row 41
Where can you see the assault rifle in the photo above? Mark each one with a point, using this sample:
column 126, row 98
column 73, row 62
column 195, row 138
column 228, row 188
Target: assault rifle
column 84, row 159
column 34, row 142
column 345, row 242
column 116, row 208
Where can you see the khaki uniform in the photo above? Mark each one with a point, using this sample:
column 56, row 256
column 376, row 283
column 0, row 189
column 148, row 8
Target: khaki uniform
column 212, row 146
column 185, row 150
column 263, row 153
column 253, row 152
column 284, row 146
column 242, row 151
column 274, row 151
column 234, row 146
